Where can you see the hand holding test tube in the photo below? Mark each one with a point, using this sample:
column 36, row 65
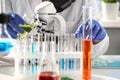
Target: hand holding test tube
column 98, row 31
column 18, row 25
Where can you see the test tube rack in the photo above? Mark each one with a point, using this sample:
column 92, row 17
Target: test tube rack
column 67, row 54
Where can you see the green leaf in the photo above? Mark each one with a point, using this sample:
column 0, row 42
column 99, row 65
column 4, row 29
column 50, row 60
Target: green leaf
column 66, row 78
column 110, row 1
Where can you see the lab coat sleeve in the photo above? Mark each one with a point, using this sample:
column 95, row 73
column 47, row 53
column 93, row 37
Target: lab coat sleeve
column 100, row 48
column 8, row 5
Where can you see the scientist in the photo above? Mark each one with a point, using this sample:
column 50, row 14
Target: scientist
column 71, row 11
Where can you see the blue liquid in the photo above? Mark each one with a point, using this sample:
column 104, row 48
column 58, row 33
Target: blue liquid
column 34, row 68
column 69, row 62
column 33, row 48
column 5, row 47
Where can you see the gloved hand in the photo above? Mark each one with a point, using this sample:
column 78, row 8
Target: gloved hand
column 98, row 31
column 13, row 27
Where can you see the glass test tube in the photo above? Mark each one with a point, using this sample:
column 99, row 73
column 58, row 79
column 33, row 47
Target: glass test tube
column 87, row 43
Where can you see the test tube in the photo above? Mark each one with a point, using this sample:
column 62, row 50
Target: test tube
column 87, row 42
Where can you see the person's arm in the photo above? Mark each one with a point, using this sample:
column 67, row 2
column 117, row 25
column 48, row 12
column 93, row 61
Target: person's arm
column 96, row 16
column 96, row 41
column 99, row 36
column 101, row 47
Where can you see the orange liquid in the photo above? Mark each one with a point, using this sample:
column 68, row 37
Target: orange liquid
column 87, row 55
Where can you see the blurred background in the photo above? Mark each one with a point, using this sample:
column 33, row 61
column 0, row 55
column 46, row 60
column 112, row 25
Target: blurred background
column 114, row 34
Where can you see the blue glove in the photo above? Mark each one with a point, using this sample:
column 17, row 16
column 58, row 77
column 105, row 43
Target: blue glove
column 13, row 27
column 98, row 31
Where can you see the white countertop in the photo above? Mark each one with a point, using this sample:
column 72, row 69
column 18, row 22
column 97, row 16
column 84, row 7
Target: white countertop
column 98, row 74
column 8, row 73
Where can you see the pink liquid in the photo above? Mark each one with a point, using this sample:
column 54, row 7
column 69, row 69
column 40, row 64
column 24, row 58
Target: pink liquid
column 87, row 55
column 48, row 76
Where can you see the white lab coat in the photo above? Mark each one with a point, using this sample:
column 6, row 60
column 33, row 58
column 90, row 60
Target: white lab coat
column 72, row 16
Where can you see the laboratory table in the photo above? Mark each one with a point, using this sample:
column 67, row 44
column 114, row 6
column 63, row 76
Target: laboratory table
column 7, row 73
column 99, row 72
